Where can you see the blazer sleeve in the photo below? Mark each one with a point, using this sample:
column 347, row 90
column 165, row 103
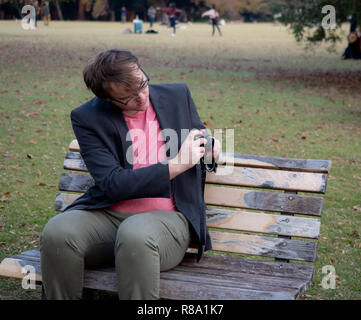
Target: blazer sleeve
column 114, row 180
column 195, row 120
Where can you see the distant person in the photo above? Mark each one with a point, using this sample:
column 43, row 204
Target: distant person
column 45, row 12
column 152, row 12
column 37, row 13
column 123, row 14
column 353, row 50
column 172, row 12
column 213, row 16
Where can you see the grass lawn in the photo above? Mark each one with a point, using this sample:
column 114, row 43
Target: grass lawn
column 280, row 100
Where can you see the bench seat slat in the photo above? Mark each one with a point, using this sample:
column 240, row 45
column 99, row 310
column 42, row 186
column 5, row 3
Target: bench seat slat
column 221, row 263
column 210, row 283
column 307, row 165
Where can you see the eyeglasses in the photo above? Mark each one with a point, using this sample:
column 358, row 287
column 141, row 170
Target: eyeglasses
column 142, row 87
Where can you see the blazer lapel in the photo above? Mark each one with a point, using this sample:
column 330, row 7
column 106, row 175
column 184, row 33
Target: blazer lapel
column 166, row 119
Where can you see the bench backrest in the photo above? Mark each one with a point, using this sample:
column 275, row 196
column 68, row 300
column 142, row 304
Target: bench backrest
column 253, row 203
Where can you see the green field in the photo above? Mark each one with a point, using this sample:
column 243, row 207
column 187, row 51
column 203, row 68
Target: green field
column 280, row 99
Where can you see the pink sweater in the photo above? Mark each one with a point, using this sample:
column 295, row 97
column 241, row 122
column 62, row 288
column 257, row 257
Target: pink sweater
column 144, row 130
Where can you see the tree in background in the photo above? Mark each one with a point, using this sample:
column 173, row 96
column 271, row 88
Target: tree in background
column 305, row 18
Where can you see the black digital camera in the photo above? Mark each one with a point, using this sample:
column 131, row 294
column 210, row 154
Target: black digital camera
column 208, row 160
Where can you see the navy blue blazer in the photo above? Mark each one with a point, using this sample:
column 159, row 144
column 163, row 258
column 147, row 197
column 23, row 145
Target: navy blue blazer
column 101, row 132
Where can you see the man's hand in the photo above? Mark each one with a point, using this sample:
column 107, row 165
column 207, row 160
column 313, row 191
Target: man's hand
column 216, row 148
column 189, row 154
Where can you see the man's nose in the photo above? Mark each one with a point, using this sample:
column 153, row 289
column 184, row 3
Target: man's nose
column 140, row 96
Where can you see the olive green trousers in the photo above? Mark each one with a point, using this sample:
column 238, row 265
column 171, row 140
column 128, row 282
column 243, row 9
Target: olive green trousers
column 140, row 245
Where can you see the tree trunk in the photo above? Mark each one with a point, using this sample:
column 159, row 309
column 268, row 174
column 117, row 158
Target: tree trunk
column 18, row 8
column 60, row 14
column 81, row 14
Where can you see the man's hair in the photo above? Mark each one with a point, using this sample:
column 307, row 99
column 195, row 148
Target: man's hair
column 113, row 65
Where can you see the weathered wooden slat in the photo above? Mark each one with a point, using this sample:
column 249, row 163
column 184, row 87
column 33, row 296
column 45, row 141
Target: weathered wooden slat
column 263, row 223
column 246, row 160
column 74, row 146
column 75, row 182
column 18, row 268
column 62, row 200
column 223, row 196
column 223, row 263
column 74, row 161
column 239, row 220
column 263, row 246
column 269, row 179
column 235, row 286
column 262, row 200
column 309, row 165
column 242, row 176
column 236, row 279
column 181, row 288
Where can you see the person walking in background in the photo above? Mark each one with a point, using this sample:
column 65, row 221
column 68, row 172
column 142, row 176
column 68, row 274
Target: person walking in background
column 151, row 14
column 123, row 14
column 45, row 12
column 37, row 13
column 214, row 16
column 171, row 11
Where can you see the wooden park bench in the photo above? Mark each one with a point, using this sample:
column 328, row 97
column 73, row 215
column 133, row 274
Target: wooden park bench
column 257, row 210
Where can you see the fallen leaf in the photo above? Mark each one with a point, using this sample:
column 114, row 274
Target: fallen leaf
column 355, row 233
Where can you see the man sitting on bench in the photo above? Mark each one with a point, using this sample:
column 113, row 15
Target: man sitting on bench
column 146, row 205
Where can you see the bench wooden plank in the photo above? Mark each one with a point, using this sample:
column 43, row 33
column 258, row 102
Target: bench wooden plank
column 235, row 285
column 223, row 196
column 242, row 176
column 14, row 268
column 75, row 182
column 240, row 220
column 269, row 179
column 181, row 288
column 308, row 165
column 222, row 263
column 262, row 200
column 247, row 160
column 263, row 246
column 263, row 223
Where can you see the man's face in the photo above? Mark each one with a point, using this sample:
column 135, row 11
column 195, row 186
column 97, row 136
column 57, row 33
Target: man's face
column 130, row 100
